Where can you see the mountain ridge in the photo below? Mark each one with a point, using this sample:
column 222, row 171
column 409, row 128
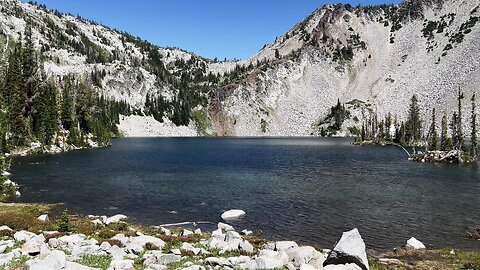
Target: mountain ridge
column 380, row 55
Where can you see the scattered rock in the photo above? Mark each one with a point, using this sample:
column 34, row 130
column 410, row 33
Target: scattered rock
column 224, row 227
column 56, row 260
column 186, row 232
column 115, row 219
column 232, row 235
column 198, row 231
column 414, row 243
column 32, row 247
column 116, row 253
column 303, row 255
column 264, row 262
column 233, row 214
column 5, row 228
column 349, row 250
column 43, row 218
column 165, row 259
column 285, row 245
column 218, row 262
column 246, row 246
column 247, row 232
column 23, row 236
column 121, row 265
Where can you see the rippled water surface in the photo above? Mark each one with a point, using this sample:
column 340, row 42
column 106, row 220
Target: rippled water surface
column 308, row 190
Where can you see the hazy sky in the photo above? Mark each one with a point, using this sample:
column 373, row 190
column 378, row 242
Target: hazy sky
column 210, row 28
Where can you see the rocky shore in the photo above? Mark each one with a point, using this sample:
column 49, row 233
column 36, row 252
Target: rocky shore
column 35, row 242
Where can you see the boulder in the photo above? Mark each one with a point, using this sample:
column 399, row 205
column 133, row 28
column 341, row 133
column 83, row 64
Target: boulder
column 232, row 235
column 97, row 222
column 56, row 260
column 218, row 234
column 224, row 227
column 5, row 228
column 247, row 232
column 71, row 240
column 285, row 245
column 350, row 249
column 165, row 231
column 348, row 266
column 121, row 237
column 23, row 236
column 302, row 255
column 197, row 231
column 233, row 214
column 187, row 232
column 116, row 252
column 238, row 260
column 415, row 244
column 77, row 266
column 231, row 245
column 5, row 259
column 189, row 247
column 105, row 245
column 214, row 261
column 264, row 262
column 32, row 247
column 307, row 267
column 121, row 265
column 43, row 218
column 80, row 251
column 246, row 246
column 144, row 239
column 165, row 259
column 115, row 219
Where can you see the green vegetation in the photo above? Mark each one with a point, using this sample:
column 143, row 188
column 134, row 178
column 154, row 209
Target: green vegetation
column 334, row 120
column 96, row 261
column 64, row 223
column 24, row 216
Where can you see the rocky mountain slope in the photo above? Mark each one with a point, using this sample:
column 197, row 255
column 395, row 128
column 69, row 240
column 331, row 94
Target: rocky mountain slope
column 379, row 55
column 374, row 57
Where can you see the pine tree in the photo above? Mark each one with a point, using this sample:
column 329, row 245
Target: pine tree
column 67, row 105
column 474, row 147
column 446, row 142
column 459, row 140
column 413, row 126
column 433, row 132
column 15, row 97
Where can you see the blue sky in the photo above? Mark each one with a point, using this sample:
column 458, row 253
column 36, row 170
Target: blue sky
column 210, row 28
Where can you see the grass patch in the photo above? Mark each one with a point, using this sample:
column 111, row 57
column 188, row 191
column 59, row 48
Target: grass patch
column 180, row 263
column 21, row 216
column 97, row 261
column 18, row 263
column 428, row 259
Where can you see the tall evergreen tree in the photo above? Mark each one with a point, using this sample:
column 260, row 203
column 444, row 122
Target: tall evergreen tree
column 446, row 142
column 473, row 122
column 433, row 132
column 67, row 104
column 16, row 98
column 459, row 140
column 413, row 126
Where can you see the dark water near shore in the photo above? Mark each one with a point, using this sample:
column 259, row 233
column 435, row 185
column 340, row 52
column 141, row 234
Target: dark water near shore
column 308, row 190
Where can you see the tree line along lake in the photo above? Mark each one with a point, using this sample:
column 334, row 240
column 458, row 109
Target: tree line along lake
column 304, row 189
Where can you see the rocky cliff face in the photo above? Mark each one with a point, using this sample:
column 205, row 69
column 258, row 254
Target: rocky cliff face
column 378, row 55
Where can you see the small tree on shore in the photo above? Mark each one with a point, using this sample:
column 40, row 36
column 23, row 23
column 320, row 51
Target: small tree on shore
column 413, row 126
column 433, row 142
column 446, row 142
column 459, row 139
column 474, row 148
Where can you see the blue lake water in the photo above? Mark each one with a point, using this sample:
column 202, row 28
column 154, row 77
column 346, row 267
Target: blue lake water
column 303, row 189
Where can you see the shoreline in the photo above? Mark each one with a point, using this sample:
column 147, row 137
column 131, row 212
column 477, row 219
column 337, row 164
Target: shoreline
column 37, row 235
